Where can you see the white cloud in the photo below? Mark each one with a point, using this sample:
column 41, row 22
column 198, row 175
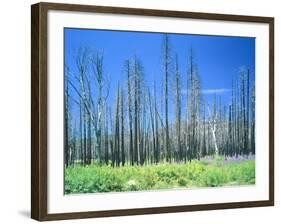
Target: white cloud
column 210, row 91
column 213, row 91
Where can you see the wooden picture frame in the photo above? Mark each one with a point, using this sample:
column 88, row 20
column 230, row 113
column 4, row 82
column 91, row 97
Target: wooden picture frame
column 39, row 110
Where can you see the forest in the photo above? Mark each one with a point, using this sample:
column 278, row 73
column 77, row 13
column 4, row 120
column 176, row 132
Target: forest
column 147, row 129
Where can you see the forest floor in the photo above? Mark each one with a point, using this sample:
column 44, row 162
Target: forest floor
column 207, row 172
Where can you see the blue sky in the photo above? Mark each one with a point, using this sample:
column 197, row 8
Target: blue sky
column 218, row 58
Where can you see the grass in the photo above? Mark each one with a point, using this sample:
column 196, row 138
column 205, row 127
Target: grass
column 196, row 174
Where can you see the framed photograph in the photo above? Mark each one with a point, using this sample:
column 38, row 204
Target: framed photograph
column 139, row 111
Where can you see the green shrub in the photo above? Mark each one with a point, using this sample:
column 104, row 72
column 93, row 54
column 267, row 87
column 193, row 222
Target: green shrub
column 214, row 177
column 97, row 178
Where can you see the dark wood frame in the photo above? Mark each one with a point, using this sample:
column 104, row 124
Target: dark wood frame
column 39, row 110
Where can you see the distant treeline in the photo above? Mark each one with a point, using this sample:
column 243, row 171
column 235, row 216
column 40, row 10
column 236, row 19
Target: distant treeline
column 137, row 130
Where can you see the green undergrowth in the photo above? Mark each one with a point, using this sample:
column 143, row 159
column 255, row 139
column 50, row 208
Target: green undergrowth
column 195, row 174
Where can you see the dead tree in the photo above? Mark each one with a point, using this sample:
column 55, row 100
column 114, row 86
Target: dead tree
column 129, row 87
column 178, row 108
column 122, row 129
column 166, row 67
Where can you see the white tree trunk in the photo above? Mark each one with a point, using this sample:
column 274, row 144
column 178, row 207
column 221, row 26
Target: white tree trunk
column 213, row 128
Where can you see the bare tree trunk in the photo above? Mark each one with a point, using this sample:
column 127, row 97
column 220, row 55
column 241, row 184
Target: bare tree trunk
column 140, row 137
column 152, row 117
column 136, row 140
column 106, row 140
column 81, row 135
column 131, row 147
column 204, row 147
column 166, row 72
column 74, row 143
column 156, row 127
column 66, row 120
column 117, row 133
column 253, row 144
column 244, row 124
column 178, row 110
column 230, row 127
column 248, row 113
column 85, row 138
column 112, row 137
column 122, row 129
column 213, row 129
column 89, row 141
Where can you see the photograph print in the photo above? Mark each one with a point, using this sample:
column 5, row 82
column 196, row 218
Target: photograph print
column 157, row 111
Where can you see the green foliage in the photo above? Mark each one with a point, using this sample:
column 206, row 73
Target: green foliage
column 219, row 161
column 214, row 177
column 216, row 173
